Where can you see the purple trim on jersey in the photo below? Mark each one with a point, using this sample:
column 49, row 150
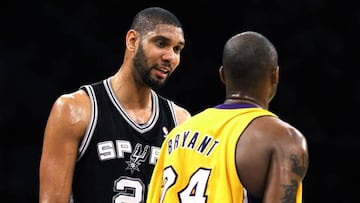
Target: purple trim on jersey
column 235, row 106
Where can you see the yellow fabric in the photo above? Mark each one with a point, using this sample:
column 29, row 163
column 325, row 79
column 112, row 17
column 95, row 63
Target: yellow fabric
column 200, row 159
column 299, row 193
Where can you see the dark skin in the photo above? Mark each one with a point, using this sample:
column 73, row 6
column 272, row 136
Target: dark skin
column 71, row 113
column 271, row 155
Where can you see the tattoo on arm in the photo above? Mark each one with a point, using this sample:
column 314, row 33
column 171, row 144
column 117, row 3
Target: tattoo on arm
column 290, row 192
column 298, row 168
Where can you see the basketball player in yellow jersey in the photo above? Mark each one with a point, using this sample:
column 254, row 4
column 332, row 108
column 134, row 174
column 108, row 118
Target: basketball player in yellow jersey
column 237, row 151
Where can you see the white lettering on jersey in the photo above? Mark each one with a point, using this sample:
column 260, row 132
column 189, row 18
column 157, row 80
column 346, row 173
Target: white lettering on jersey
column 201, row 144
column 154, row 155
column 122, row 147
column 108, row 150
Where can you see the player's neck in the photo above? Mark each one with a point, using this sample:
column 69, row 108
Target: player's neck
column 236, row 98
column 128, row 93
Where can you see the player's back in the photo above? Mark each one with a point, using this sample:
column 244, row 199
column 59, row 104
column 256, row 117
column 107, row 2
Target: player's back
column 200, row 157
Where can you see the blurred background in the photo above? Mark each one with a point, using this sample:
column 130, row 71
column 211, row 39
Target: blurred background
column 48, row 48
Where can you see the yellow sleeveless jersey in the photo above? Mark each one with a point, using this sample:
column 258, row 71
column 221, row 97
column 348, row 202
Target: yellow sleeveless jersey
column 197, row 159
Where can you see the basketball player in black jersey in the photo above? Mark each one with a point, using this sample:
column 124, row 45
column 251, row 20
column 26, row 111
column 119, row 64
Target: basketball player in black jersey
column 102, row 141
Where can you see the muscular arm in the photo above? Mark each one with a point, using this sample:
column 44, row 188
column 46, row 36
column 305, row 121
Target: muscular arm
column 64, row 129
column 272, row 160
column 288, row 166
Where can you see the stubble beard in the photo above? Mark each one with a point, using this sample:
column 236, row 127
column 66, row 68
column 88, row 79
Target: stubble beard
column 141, row 66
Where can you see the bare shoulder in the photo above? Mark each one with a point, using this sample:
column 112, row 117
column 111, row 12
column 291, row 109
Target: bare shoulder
column 286, row 142
column 278, row 133
column 182, row 114
column 72, row 109
column 284, row 132
column 74, row 103
column 272, row 133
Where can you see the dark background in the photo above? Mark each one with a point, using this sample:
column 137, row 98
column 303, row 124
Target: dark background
column 48, row 48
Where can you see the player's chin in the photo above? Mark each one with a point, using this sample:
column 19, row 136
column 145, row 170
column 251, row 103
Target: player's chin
column 158, row 83
column 161, row 79
column 161, row 83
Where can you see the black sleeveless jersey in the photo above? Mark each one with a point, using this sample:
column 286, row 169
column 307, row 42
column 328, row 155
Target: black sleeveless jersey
column 117, row 155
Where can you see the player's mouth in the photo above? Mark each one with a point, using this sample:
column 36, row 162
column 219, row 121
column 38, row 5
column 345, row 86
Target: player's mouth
column 162, row 72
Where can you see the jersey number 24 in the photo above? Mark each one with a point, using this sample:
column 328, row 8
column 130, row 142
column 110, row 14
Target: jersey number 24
column 195, row 189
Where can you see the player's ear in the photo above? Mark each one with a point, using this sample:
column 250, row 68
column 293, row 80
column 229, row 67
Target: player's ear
column 222, row 74
column 275, row 75
column 132, row 39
